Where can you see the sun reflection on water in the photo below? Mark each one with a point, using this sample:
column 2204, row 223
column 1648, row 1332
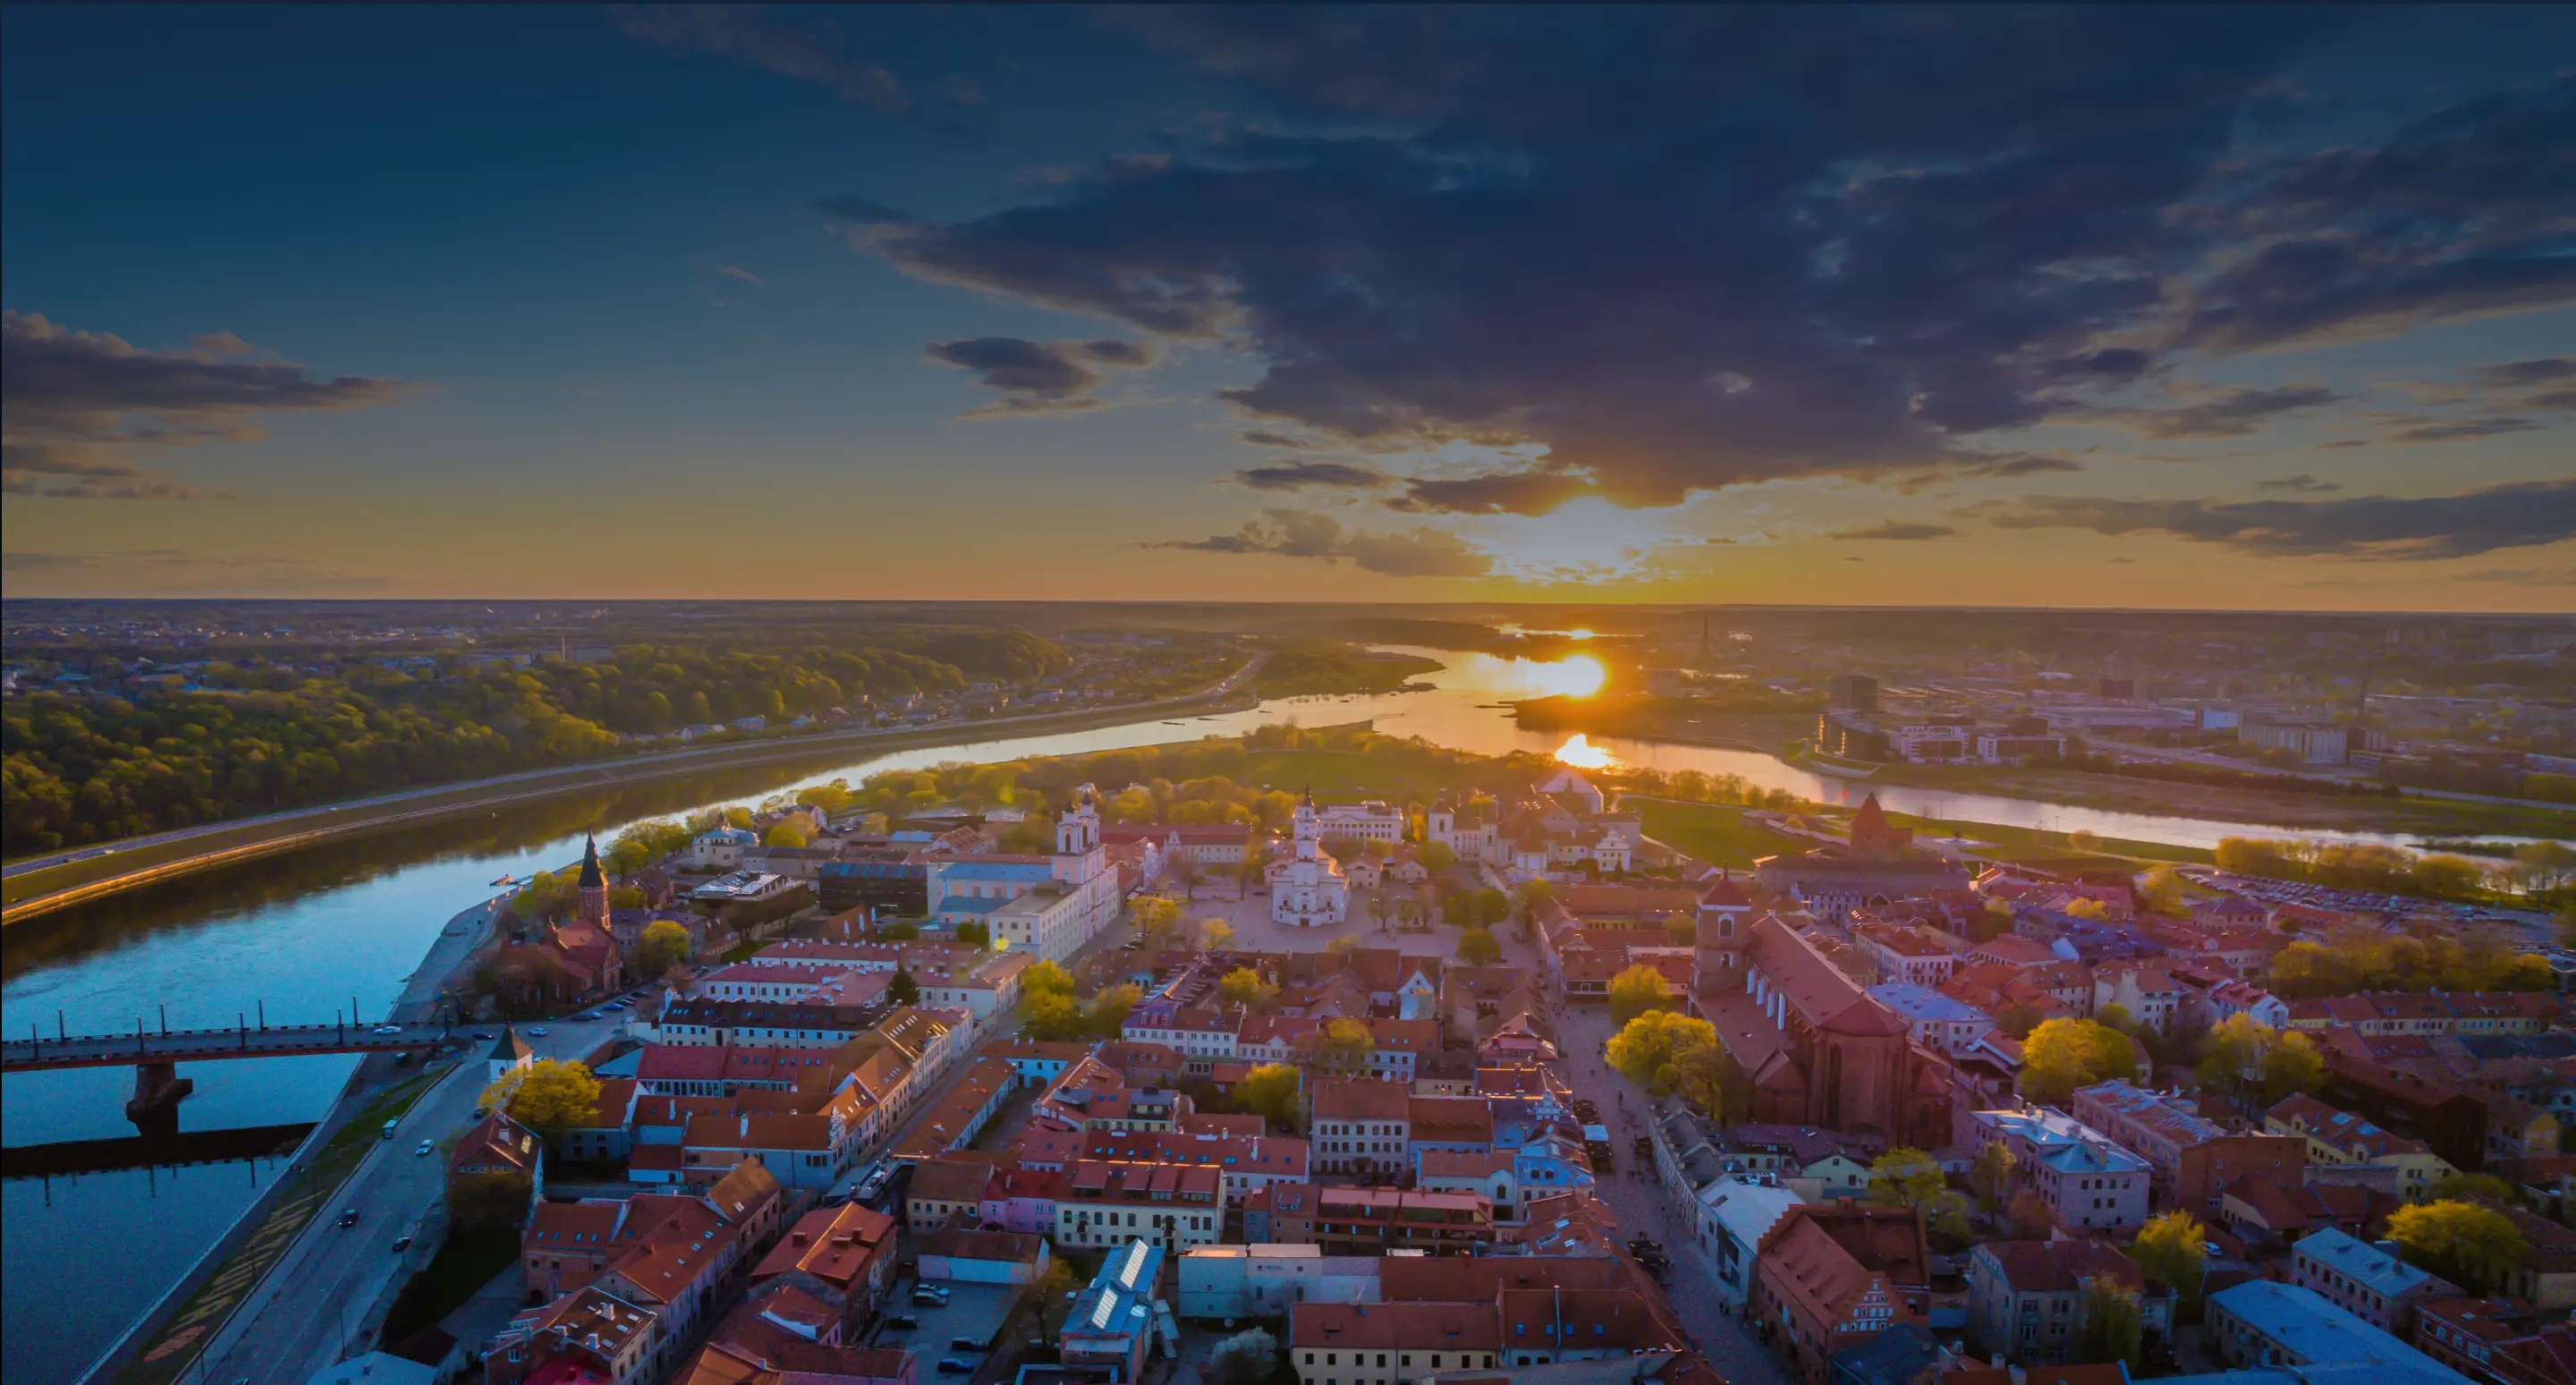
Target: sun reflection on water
column 1581, row 753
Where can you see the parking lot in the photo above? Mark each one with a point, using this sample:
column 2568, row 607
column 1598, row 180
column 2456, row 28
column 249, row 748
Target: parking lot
column 974, row 1312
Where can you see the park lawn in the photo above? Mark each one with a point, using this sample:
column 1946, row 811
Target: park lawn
column 1719, row 835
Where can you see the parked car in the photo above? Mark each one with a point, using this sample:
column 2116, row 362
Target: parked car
column 349, row 1217
column 952, row 1365
column 484, row 1034
column 424, row 1148
column 539, row 1031
column 964, row 1344
column 401, row 1244
column 388, row 1029
column 901, row 1322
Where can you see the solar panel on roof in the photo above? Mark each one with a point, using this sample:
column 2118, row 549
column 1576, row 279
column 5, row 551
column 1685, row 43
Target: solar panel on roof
column 1103, row 1310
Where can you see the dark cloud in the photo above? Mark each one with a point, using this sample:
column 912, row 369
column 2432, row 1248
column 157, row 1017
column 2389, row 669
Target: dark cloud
column 2462, row 214
column 1037, row 377
column 1262, row 438
column 2301, row 484
column 1683, row 248
column 75, row 405
column 2455, row 429
column 2521, row 374
column 1289, row 476
column 745, row 34
column 1495, row 493
column 2231, row 413
column 2376, row 526
column 1419, row 552
column 1897, row 530
column 2022, row 464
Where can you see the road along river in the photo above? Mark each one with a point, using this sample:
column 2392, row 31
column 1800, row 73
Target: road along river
column 319, row 931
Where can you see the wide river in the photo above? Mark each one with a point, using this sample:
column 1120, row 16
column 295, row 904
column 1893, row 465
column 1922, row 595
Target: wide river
column 314, row 933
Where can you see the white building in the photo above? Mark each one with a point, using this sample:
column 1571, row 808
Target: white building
column 1264, row 1281
column 1310, row 892
column 720, row 849
column 1371, row 821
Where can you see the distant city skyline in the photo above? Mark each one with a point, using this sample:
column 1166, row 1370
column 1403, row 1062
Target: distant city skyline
column 2255, row 308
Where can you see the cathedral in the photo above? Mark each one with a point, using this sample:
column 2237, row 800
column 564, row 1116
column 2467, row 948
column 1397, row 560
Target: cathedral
column 1818, row 1048
column 1308, row 889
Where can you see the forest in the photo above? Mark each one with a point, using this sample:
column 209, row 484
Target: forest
column 262, row 737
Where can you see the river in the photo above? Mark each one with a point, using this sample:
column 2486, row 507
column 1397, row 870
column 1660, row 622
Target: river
column 315, row 933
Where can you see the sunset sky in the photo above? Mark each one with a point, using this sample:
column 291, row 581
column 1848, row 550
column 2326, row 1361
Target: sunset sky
column 2267, row 307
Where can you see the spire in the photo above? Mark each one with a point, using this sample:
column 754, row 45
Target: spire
column 1309, row 800
column 592, row 877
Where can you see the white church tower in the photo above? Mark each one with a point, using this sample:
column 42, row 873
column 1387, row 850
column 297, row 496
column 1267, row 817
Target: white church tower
column 1311, row 892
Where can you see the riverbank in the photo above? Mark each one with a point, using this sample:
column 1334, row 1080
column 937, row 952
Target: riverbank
column 2415, row 816
column 99, row 872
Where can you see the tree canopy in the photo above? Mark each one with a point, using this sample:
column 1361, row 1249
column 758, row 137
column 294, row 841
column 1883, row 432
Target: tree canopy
column 1636, row 990
column 2064, row 1054
column 2468, row 1243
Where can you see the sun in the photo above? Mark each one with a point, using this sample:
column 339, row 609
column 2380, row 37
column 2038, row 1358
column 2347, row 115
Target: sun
column 1580, row 675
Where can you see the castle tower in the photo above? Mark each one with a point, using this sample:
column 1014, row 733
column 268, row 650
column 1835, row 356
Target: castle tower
column 1873, row 837
column 591, row 892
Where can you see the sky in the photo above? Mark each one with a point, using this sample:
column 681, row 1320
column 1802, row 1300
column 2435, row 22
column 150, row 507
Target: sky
column 2261, row 307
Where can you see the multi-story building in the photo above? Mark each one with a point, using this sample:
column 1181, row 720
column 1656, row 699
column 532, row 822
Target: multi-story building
column 1832, row 1275
column 2193, row 1158
column 2365, row 1281
column 1938, row 1021
column 2026, row 1298
column 1112, row 1322
column 2261, row 1323
column 2086, row 1179
column 1369, row 821
column 1174, row 1206
column 1360, row 1221
column 1907, row 955
column 2341, row 1139
column 1361, row 1126
column 1389, row 1343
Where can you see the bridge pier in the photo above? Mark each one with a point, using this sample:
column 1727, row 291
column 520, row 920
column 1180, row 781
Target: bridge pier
column 158, row 1090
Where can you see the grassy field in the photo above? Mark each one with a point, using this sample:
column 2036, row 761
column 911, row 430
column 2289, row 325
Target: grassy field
column 1721, row 836
column 1335, row 773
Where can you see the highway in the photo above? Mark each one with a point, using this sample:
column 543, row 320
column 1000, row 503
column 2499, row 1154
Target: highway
column 296, row 1322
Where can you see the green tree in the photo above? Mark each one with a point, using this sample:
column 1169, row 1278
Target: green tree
column 664, row 945
column 1909, row 1178
column 2471, row 1245
column 1528, row 895
column 2109, row 1324
column 1051, row 1015
column 1435, row 856
column 1154, row 917
column 1991, row 1178
column 1215, row 934
column 1276, row 1093
column 1477, row 947
column 553, row 1096
column 2017, row 1018
column 1046, row 978
column 490, row 1200
column 2027, row 1216
column 973, row 934
column 1337, row 1045
column 2170, row 1248
column 1636, row 990
column 1243, row 986
column 784, row 834
column 1052, row 1292
column 1248, row 1357
column 2064, row 1054
column 2164, row 891
column 2463, row 1187
column 2293, row 1065
column 1107, row 1014
column 903, row 990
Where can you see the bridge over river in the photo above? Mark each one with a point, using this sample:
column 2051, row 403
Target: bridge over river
column 155, row 1055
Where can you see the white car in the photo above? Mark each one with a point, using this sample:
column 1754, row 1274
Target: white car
column 425, row 1147
column 388, row 1029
